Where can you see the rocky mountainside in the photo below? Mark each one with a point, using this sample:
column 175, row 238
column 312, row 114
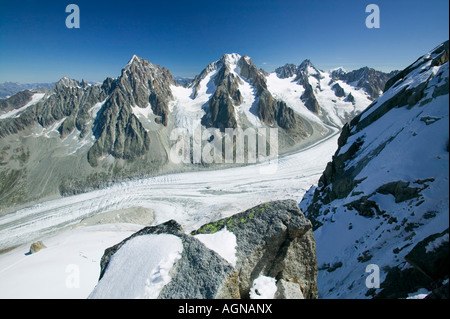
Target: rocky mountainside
column 78, row 136
column 265, row 252
column 383, row 200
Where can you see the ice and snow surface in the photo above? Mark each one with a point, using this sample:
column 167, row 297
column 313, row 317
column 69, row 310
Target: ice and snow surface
column 196, row 198
column 339, row 108
column 147, row 270
column 189, row 108
column 248, row 92
column 290, row 92
column 438, row 242
column 263, row 288
column 192, row 198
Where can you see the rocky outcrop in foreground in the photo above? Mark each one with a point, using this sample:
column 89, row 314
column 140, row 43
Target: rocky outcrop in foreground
column 226, row 259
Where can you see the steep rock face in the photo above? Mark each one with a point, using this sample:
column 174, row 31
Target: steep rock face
column 286, row 71
column 221, row 113
column 117, row 129
column 221, row 110
column 146, row 83
column 275, row 112
column 338, row 90
column 309, row 99
column 17, row 123
column 67, row 100
column 272, row 239
column 256, row 77
column 387, row 186
column 304, row 70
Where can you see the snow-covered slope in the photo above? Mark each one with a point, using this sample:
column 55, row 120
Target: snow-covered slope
column 386, row 190
column 338, row 100
column 242, row 93
column 67, row 268
column 146, row 270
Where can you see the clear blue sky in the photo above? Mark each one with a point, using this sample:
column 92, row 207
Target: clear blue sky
column 184, row 36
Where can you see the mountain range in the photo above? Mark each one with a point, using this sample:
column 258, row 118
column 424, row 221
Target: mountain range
column 78, row 136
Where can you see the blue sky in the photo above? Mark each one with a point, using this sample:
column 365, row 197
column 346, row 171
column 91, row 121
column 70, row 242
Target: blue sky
column 184, row 36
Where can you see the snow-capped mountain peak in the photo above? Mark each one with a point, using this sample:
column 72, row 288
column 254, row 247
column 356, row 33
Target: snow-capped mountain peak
column 133, row 59
column 338, row 70
column 307, row 67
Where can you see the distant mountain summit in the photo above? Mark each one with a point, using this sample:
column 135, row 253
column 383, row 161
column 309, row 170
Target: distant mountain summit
column 8, row 89
column 338, row 70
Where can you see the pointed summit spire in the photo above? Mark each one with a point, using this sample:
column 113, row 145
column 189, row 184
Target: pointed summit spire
column 133, row 58
column 305, row 65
